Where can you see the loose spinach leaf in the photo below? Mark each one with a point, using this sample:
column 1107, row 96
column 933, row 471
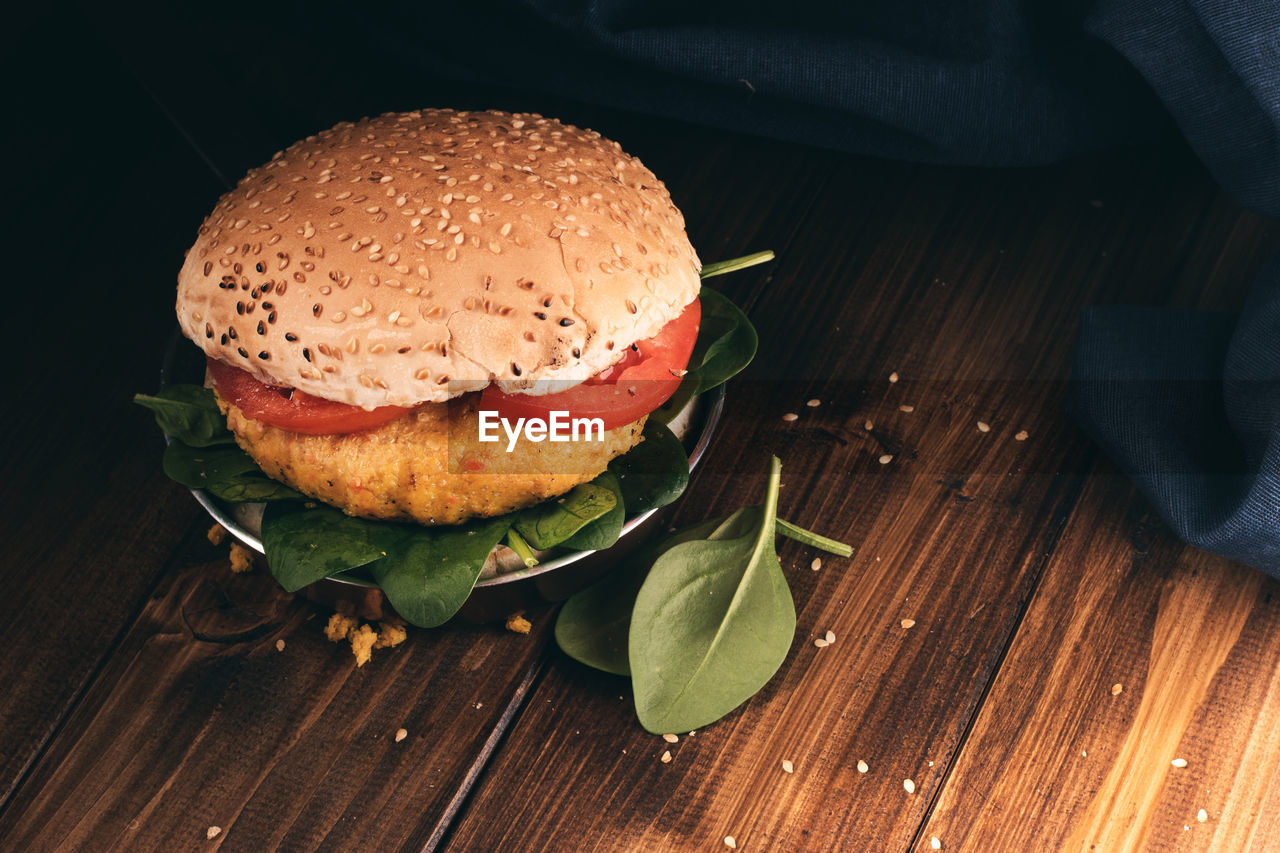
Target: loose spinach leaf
column 593, row 625
column 712, row 623
column 428, row 572
column 189, row 414
column 729, row 345
column 306, row 542
column 602, row 532
column 653, row 473
column 226, row 472
column 552, row 522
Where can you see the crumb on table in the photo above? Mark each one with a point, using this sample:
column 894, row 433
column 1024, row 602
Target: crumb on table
column 516, row 622
column 217, row 534
column 362, row 642
column 364, row 637
column 241, row 558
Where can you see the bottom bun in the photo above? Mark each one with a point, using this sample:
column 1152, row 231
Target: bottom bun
column 420, row 467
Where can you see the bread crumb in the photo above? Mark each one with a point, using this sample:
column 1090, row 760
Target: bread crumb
column 893, row 377
column 241, row 558
column 217, row 534
column 213, row 832
column 401, row 734
column 516, row 622
column 362, row 641
column 1020, row 435
column 666, row 757
column 391, row 632
column 339, row 627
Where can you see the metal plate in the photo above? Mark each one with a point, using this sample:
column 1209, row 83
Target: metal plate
column 496, row 596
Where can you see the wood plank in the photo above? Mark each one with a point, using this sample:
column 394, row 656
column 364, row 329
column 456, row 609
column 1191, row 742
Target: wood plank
column 280, row 747
column 1136, row 651
column 966, row 284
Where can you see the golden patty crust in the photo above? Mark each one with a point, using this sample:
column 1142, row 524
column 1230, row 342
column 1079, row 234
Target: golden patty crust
column 428, row 466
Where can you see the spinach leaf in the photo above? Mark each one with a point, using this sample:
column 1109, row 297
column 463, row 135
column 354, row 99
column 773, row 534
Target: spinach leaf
column 428, row 572
column 305, row 542
column 712, row 622
column 188, row 413
column 602, row 532
column 729, row 344
column 225, row 472
column 552, row 522
column 593, row 625
column 653, row 473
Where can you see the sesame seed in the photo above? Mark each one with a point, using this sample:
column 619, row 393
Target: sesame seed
column 821, row 643
column 830, row 637
column 862, row 766
column 868, row 426
column 983, row 426
column 908, row 623
column 1020, row 435
column 730, row 842
column 279, row 645
column 666, row 757
column 787, row 766
column 935, row 843
column 906, row 408
column 1179, row 762
column 893, row 377
column 1202, row 816
column 790, row 416
column 401, row 734
column 886, row 458
column 1117, row 689
column 670, row 738
column 213, row 832
column 908, row 786
column 816, row 564
column 814, row 403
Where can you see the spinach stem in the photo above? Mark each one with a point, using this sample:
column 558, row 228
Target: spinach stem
column 735, row 264
column 808, row 537
column 516, row 543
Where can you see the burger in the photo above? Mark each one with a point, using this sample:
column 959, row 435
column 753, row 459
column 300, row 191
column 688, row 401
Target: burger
column 397, row 314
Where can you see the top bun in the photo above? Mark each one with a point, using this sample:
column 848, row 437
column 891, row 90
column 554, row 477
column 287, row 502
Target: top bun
column 417, row 256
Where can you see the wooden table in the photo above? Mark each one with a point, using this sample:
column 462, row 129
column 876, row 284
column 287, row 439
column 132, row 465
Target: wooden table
column 1025, row 658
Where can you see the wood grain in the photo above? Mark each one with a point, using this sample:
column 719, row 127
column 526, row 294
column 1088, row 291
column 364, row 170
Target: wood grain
column 1135, row 652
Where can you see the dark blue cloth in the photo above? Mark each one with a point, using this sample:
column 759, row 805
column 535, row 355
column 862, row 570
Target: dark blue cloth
column 1186, row 403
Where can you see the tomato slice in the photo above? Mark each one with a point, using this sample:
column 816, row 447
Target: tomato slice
column 291, row 409
column 635, row 386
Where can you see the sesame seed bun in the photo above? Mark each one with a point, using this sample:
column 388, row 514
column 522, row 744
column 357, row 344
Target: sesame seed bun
column 417, row 256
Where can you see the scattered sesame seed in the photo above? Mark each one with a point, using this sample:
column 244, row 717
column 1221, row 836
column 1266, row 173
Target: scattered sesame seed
column 868, row 425
column 730, row 842
column 1084, row 753
column 670, row 738
column 935, row 843
column 1020, row 435
column 821, row 643
column 886, row 458
column 862, row 766
column 1202, row 816
column 790, row 416
column 401, row 734
column 893, row 377
column 816, row 564
column 1117, row 689
column 830, row 637
column 814, row 403
column 908, row 623
column 787, row 766
column 213, row 832
column 279, row 645
column 983, row 426
column 906, row 408
column 908, row 786
column 1179, row 762
column 666, row 757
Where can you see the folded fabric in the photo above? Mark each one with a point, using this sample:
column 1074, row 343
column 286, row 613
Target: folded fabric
column 1188, row 405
